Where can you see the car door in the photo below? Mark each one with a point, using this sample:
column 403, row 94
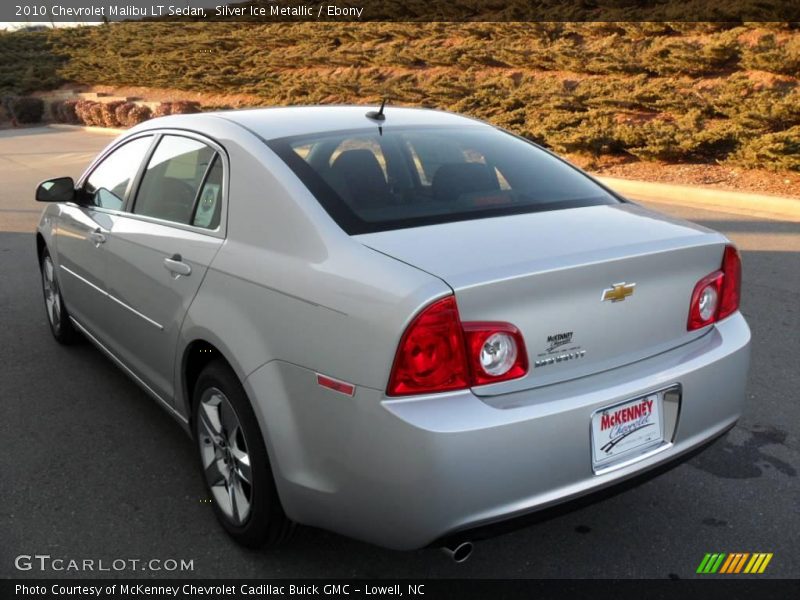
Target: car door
column 159, row 251
column 82, row 232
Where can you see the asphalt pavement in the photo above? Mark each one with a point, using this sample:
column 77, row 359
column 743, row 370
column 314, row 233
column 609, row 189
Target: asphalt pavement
column 91, row 468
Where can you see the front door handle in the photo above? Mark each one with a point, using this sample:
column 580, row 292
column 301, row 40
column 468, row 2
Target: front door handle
column 176, row 265
column 97, row 237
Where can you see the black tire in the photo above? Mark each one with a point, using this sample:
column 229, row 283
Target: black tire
column 57, row 316
column 267, row 523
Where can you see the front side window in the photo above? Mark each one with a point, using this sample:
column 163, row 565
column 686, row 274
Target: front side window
column 178, row 171
column 375, row 180
column 107, row 184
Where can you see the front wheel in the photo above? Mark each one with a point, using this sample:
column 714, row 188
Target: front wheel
column 234, row 460
column 57, row 315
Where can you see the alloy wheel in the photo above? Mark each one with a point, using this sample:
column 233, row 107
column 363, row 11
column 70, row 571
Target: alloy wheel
column 225, row 457
column 52, row 297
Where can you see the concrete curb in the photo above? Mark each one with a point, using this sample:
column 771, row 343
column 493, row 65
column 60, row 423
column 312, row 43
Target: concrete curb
column 89, row 128
column 739, row 203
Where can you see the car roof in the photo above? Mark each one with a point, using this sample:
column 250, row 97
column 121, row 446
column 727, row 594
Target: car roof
column 279, row 122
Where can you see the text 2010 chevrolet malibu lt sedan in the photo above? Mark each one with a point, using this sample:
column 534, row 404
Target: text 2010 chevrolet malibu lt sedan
column 396, row 325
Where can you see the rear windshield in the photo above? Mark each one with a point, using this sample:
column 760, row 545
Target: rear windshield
column 372, row 180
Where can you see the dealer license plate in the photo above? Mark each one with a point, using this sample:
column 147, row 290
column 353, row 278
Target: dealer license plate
column 627, row 429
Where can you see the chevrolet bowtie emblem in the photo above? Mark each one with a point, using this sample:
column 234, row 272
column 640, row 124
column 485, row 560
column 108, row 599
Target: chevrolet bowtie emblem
column 618, row 292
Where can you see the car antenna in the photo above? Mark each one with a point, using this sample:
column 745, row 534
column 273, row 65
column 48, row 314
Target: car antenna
column 378, row 114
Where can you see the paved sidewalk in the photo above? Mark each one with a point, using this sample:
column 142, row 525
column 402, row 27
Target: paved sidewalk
column 739, row 203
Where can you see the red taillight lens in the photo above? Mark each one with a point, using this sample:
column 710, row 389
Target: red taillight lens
column 431, row 357
column 716, row 295
column 732, row 285
column 438, row 353
column 705, row 301
column 496, row 352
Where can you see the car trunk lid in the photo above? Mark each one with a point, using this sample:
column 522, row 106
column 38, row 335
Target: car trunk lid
column 590, row 288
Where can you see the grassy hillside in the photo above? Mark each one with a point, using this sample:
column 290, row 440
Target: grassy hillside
column 682, row 92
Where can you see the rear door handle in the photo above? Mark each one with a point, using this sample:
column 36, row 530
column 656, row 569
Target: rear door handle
column 97, row 237
column 176, row 265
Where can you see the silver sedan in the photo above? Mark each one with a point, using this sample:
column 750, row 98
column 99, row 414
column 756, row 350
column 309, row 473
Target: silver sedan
column 401, row 325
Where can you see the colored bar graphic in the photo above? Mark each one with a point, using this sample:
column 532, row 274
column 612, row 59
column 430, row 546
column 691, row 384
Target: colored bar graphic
column 717, row 564
column 734, row 562
column 757, row 566
column 749, row 567
column 703, row 563
column 711, row 562
column 732, row 558
column 764, row 564
column 755, row 563
column 741, row 562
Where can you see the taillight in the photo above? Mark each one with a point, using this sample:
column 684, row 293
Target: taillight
column 439, row 353
column 430, row 357
column 705, row 300
column 732, row 285
column 716, row 295
column 496, row 352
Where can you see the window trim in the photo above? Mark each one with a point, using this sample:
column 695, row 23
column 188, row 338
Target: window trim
column 133, row 186
column 133, row 198
column 101, row 159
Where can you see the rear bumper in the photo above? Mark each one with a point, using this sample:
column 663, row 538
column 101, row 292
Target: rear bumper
column 404, row 473
column 508, row 524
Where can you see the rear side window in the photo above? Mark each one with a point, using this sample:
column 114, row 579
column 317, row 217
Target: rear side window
column 182, row 183
column 107, row 184
column 209, row 203
column 379, row 180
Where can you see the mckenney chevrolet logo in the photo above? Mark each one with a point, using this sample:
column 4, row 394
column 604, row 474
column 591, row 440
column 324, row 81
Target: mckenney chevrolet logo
column 618, row 292
column 624, row 422
column 630, row 414
column 557, row 340
column 735, row 562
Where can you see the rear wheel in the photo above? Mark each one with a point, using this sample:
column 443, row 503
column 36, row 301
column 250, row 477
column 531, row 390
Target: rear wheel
column 57, row 315
column 234, row 460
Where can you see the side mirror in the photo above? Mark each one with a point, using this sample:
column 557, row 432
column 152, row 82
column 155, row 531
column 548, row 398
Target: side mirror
column 60, row 189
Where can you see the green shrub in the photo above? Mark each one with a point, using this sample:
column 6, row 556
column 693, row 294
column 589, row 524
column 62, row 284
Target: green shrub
column 184, row 107
column 667, row 56
column 663, row 91
column 776, row 151
column 68, row 113
column 30, row 62
column 138, row 114
column 121, row 112
column 82, row 108
column 94, row 116
column 89, row 113
column 179, row 107
column 769, row 54
column 108, row 113
column 58, row 111
column 26, row 109
column 162, row 110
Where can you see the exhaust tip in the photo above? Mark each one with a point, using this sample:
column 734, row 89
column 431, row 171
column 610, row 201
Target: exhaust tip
column 459, row 552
